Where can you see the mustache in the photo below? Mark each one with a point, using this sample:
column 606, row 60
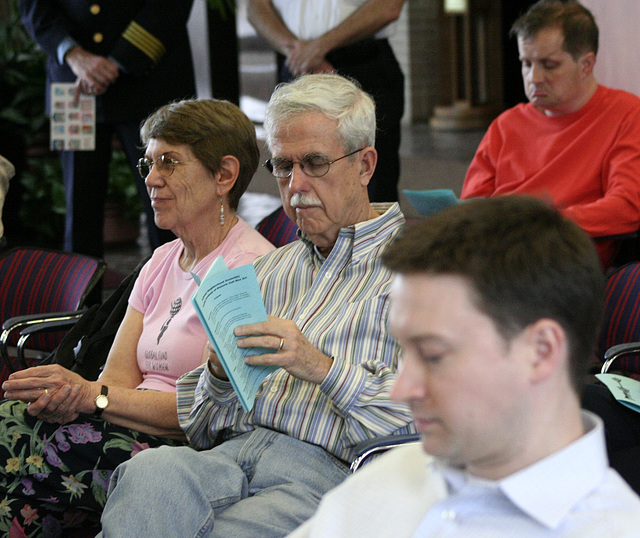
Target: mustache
column 304, row 200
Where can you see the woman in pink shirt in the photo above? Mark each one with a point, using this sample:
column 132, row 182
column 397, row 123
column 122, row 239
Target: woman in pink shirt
column 64, row 434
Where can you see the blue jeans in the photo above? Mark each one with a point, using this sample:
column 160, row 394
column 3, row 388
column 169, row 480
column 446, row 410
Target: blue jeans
column 261, row 483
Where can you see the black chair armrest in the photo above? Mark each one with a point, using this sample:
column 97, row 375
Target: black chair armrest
column 615, row 352
column 370, row 447
column 52, row 324
column 20, row 323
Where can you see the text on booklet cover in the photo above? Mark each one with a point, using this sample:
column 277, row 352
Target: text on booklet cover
column 624, row 389
column 227, row 298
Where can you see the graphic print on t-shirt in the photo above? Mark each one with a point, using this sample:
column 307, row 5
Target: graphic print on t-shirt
column 176, row 305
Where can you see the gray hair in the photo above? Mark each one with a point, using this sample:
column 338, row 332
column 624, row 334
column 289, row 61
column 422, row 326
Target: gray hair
column 336, row 97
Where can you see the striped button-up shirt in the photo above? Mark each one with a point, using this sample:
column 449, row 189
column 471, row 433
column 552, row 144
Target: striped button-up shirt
column 341, row 306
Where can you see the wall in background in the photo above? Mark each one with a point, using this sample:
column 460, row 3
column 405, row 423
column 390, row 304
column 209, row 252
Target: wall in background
column 617, row 63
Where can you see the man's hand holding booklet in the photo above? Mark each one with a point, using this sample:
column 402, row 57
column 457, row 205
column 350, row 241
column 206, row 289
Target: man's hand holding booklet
column 227, row 298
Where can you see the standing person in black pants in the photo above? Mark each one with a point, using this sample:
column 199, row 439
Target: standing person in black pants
column 134, row 56
column 350, row 37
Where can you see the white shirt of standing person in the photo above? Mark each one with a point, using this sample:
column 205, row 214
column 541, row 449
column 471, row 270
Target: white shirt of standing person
column 308, row 19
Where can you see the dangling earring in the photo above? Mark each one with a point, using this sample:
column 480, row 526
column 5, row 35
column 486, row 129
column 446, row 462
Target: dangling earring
column 221, row 212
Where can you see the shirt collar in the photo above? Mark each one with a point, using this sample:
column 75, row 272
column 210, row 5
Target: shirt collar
column 548, row 490
column 570, row 474
column 366, row 235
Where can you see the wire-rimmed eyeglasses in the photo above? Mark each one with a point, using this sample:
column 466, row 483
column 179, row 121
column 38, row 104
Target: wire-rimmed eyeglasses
column 164, row 165
column 313, row 165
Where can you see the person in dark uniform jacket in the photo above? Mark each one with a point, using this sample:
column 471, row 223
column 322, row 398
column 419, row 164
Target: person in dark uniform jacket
column 134, row 56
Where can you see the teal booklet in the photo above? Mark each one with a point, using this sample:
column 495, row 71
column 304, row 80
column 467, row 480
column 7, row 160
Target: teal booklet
column 624, row 389
column 225, row 299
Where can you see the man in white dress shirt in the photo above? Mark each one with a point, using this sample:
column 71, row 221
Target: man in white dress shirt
column 496, row 304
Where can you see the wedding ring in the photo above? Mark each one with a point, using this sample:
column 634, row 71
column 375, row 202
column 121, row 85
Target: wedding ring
column 281, row 344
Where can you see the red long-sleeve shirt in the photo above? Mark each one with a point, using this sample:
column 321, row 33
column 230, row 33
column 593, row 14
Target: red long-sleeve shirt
column 587, row 163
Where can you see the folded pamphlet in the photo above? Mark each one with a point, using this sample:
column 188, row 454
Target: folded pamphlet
column 227, row 298
column 624, row 389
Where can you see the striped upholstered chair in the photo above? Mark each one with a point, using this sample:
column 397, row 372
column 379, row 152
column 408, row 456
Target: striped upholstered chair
column 278, row 228
column 619, row 342
column 40, row 281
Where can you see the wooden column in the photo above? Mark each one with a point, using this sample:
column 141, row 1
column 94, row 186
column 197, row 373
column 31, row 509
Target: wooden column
column 471, row 59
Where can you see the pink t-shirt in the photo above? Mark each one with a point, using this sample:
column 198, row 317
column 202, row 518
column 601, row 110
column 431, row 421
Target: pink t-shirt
column 173, row 339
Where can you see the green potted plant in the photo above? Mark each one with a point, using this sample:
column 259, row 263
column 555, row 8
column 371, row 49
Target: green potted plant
column 225, row 8
column 37, row 189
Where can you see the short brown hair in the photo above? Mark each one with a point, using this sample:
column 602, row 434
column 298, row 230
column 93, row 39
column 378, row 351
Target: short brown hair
column 212, row 128
column 576, row 22
column 524, row 262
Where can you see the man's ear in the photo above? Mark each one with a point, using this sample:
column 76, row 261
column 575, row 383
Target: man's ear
column 368, row 161
column 227, row 175
column 549, row 349
column 587, row 63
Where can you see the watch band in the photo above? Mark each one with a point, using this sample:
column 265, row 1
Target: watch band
column 102, row 401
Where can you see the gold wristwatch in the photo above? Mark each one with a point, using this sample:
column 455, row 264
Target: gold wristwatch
column 102, row 401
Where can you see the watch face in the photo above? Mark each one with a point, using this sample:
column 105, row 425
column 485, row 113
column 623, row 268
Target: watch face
column 102, row 401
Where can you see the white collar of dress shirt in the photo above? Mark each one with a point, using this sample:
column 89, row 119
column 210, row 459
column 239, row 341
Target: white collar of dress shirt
column 551, row 487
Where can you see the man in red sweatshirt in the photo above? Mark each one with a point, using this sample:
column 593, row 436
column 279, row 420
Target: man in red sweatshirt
column 575, row 142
